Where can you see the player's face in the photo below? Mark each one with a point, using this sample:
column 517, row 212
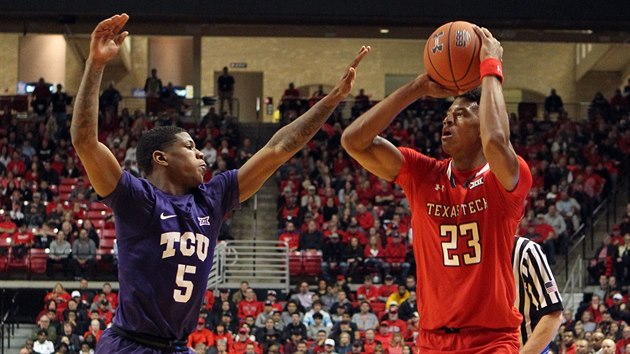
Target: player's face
column 460, row 130
column 186, row 163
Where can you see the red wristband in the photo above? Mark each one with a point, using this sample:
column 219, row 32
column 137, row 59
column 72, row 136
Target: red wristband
column 491, row 67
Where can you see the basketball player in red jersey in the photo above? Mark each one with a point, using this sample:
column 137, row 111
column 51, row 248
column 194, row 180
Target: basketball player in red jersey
column 465, row 209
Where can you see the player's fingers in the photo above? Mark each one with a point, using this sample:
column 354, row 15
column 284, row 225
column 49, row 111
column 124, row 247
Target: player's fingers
column 119, row 22
column 362, row 53
column 121, row 37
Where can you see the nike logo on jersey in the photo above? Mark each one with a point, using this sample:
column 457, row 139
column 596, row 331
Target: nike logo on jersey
column 439, row 187
column 164, row 217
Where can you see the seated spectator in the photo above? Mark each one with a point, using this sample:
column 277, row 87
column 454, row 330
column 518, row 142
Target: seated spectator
column 293, row 327
column 374, row 255
column 395, row 324
column 265, row 315
column 44, row 323
column 384, row 334
column 365, row 319
column 368, row 291
column 43, row 345
column 370, row 342
column 312, row 238
column 354, row 254
column 83, row 256
column 23, row 240
column 222, row 337
column 319, row 343
column 291, row 308
column 408, row 307
column 316, row 327
column 290, row 236
column 201, row 335
column 249, row 306
column 266, row 330
column 304, row 297
column 602, row 261
column 71, row 339
column 395, row 254
column 104, row 312
column 334, row 258
column 59, row 254
column 388, row 288
column 399, row 296
column 361, row 103
column 317, row 309
column 295, row 342
column 60, row 296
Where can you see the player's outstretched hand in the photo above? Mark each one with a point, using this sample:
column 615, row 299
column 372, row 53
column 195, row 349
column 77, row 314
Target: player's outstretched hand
column 107, row 38
column 343, row 87
column 490, row 46
column 427, row 87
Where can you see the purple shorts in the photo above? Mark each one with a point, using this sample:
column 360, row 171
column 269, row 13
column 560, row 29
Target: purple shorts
column 111, row 343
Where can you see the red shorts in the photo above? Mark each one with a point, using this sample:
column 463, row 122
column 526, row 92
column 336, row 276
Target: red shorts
column 470, row 341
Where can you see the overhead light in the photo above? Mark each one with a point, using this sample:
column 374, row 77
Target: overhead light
column 384, row 30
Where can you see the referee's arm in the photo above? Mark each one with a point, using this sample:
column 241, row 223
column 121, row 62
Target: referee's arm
column 543, row 333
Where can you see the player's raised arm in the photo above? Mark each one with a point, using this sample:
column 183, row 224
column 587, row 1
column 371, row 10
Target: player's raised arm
column 361, row 139
column 493, row 116
column 287, row 141
column 99, row 162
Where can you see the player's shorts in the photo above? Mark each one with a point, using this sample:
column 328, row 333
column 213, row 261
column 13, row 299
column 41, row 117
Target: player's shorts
column 111, row 343
column 469, row 341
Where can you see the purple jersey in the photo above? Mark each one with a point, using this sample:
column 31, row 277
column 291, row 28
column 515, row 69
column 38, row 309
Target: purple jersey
column 165, row 248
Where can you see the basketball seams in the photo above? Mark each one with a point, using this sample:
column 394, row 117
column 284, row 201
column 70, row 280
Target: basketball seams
column 448, row 51
column 472, row 57
column 435, row 70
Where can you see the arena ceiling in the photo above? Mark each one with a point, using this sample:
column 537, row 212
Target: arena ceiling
column 534, row 20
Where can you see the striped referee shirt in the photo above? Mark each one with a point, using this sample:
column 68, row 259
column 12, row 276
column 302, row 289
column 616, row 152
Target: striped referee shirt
column 536, row 291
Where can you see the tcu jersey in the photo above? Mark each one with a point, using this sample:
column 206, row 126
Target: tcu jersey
column 463, row 226
column 165, row 250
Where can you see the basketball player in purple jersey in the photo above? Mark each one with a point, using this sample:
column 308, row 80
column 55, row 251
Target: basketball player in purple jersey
column 167, row 224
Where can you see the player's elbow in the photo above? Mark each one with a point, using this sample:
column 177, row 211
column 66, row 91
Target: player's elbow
column 350, row 142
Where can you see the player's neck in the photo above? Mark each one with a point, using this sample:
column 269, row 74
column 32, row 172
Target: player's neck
column 467, row 163
column 163, row 183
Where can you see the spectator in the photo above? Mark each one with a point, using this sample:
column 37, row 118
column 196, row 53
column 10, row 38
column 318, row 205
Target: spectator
column 42, row 345
column 569, row 208
column 72, row 340
column 355, row 254
column 388, row 288
column 153, row 85
column 41, row 97
column 368, row 291
column 60, row 100
column 265, row 315
column 317, row 308
column 395, row 254
column 316, row 327
column 201, row 335
column 44, row 323
column 60, row 250
column 408, row 307
column 399, row 296
column 225, row 88
column 312, row 238
column 290, row 309
column 311, row 198
column 290, row 236
column 95, row 330
column 553, row 103
column 365, row 319
column 374, row 255
column 109, row 100
column 334, row 258
column 83, row 256
column 249, row 306
column 599, row 107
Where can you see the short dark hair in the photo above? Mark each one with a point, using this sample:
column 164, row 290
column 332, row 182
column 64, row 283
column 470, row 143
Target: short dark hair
column 155, row 139
column 473, row 95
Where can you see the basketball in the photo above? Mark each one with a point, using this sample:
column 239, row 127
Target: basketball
column 451, row 56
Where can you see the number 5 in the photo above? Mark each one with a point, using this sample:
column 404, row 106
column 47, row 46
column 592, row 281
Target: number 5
column 472, row 255
column 186, row 284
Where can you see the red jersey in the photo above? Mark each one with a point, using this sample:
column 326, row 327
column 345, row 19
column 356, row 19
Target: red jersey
column 249, row 308
column 463, row 234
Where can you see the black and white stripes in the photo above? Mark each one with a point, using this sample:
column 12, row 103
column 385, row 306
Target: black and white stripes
column 536, row 291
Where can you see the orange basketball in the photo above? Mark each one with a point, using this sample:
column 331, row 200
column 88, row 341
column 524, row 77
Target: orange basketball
column 451, row 56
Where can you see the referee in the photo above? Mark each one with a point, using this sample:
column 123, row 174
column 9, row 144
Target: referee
column 537, row 296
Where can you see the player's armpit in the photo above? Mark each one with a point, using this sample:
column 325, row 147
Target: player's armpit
column 101, row 166
column 381, row 158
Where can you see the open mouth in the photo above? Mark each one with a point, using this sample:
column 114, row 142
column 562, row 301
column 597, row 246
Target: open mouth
column 446, row 134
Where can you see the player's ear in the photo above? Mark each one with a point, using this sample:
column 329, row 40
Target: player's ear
column 159, row 158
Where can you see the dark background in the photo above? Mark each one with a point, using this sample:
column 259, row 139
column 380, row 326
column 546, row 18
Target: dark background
column 560, row 20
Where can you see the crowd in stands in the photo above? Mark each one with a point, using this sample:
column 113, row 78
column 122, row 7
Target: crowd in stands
column 47, row 203
column 329, row 207
column 330, row 319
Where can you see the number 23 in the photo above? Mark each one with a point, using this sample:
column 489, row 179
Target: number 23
column 472, row 255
